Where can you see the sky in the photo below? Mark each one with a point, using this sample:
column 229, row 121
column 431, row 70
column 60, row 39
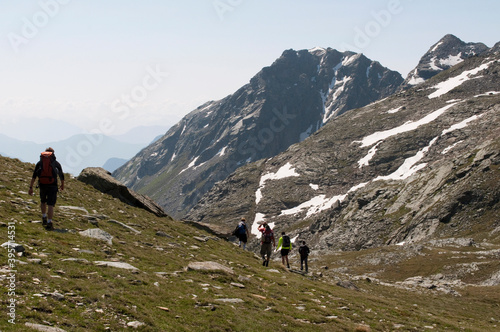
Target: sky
column 111, row 65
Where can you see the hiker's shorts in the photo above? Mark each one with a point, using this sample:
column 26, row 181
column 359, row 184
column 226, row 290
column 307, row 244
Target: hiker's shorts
column 243, row 238
column 284, row 252
column 48, row 194
column 266, row 249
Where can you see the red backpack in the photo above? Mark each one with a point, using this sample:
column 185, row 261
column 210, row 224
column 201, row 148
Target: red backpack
column 47, row 173
column 267, row 236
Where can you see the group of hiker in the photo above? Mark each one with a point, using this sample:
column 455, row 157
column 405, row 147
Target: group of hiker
column 268, row 243
column 48, row 169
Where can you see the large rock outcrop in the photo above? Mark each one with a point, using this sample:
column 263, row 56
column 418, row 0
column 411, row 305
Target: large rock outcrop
column 102, row 180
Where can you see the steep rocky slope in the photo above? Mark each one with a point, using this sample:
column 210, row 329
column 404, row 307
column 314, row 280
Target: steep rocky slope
column 421, row 164
column 282, row 105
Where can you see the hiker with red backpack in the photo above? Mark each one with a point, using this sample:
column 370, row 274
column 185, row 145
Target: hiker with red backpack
column 47, row 170
column 267, row 243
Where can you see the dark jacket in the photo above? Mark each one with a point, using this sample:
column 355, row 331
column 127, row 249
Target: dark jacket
column 304, row 251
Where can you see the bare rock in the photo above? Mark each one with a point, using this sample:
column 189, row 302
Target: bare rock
column 124, row 226
column 208, row 266
column 43, row 328
column 236, row 300
column 119, row 265
column 12, row 245
column 135, row 324
column 99, row 234
column 102, row 180
column 347, row 284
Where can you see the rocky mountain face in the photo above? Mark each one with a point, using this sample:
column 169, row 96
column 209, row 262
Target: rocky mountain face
column 421, row 164
column 443, row 55
column 282, row 105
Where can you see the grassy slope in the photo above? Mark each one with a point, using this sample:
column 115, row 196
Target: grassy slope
column 99, row 298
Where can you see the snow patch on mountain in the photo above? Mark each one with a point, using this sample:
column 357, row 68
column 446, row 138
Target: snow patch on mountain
column 320, row 203
column 285, row 171
column 453, row 82
column 313, row 186
column 489, row 93
column 449, row 148
column 259, row 219
column 191, row 164
column 415, row 78
column 222, row 152
column 366, row 159
column 314, row 205
column 408, row 126
column 436, row 47
column 409, row 167
column 461, row 124
column 451, row 60
column 394, row 110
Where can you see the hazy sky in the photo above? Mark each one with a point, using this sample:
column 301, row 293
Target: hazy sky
column 111, row 65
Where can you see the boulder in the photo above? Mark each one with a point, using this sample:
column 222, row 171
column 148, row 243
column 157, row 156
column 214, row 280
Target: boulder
column 102, row 180
column 12, row 245
column 43, row 328
column 118, row 265
column 98, row 234
column 208, row 266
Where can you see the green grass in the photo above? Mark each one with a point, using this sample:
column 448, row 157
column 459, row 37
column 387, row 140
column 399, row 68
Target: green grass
column 105, row 298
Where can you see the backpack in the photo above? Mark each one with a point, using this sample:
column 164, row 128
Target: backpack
column 267, row 236
column 47, row 173
column 286, row 242
column 241, row 229
column 304, row 251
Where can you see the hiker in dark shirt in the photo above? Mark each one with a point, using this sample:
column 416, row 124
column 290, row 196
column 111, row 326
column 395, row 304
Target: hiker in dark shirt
column 304, row 253
column 242, row 233
column 47, row 170
column 267, row 243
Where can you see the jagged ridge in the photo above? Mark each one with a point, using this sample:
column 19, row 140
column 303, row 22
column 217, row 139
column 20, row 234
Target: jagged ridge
column 420, row 164
column 283, row 104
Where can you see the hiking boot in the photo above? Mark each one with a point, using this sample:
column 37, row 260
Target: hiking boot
column 288, row 266
column 50, row 226
column 44, row 221
column 267, row 263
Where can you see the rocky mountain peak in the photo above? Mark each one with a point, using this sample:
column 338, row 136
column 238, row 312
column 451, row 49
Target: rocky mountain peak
column 446, row 53
column 283, row 104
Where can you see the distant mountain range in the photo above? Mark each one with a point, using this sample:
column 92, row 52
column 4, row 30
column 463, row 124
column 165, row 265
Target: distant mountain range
column 82, row 150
